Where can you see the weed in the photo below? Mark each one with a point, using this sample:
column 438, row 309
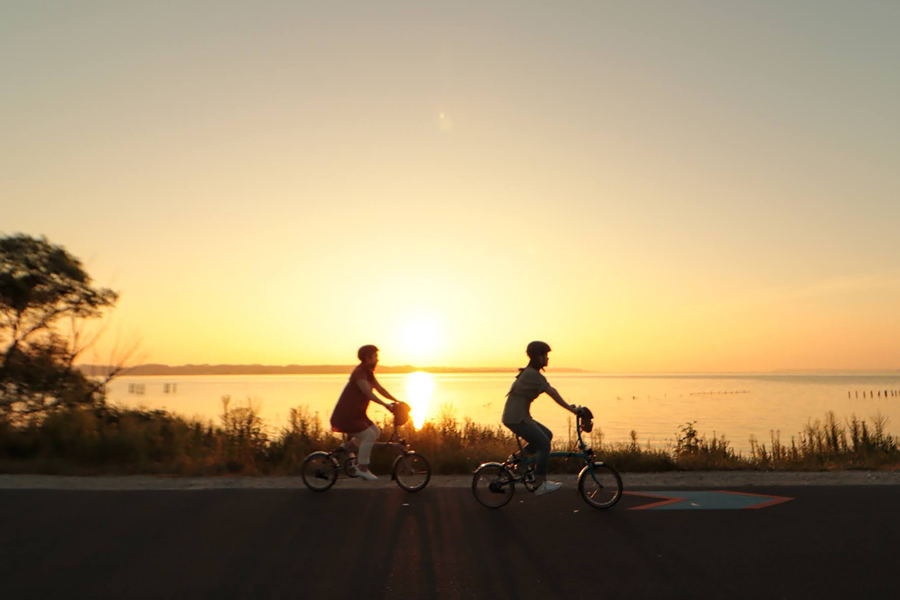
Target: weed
column 114, row 440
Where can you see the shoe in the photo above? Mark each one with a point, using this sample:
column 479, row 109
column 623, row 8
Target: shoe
column 367, row 475
column 547, row 487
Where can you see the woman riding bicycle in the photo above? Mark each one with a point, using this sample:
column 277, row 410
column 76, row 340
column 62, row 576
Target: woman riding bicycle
column 529, row 384
column 349, row 414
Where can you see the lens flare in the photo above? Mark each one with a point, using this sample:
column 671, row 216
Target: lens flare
column 419, row 388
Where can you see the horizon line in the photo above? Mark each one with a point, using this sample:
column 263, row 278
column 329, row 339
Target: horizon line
column 261, row 369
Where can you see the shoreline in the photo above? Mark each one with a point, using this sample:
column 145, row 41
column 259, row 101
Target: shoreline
column 677, row 479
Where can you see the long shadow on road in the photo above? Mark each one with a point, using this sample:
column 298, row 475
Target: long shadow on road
column 829, row 542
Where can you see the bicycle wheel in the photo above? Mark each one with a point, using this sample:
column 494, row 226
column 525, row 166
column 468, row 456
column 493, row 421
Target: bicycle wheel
column 411, row 472
column 492, row 485
column 319, row 471
column 600, row 485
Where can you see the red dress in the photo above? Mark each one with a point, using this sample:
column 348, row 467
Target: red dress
column 349, row 414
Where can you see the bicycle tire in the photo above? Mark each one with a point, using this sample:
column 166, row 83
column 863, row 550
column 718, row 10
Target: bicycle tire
column 600, row 485
column 319, row 471
column 411, row 472
column 493, row 485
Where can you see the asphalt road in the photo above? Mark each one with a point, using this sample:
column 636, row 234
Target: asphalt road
column 828, row 542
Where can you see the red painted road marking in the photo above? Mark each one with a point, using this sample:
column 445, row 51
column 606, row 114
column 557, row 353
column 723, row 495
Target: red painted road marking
column 667, row 500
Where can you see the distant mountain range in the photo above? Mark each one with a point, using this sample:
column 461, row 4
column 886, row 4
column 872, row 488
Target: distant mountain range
column 159, row 369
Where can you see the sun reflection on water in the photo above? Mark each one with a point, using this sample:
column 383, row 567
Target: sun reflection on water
column 419, row 388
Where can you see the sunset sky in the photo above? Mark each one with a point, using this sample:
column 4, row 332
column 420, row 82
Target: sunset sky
column 648, row 186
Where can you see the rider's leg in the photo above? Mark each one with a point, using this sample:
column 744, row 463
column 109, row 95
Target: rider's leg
column 544, row 485
column 532, row 449
column 366, row 439
column 350, row 444
column 538, row 438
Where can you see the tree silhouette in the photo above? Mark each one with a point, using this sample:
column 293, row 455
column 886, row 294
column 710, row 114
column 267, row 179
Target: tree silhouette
column 41, row 286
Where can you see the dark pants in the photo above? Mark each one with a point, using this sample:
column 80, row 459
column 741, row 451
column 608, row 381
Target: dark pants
column 538, row 438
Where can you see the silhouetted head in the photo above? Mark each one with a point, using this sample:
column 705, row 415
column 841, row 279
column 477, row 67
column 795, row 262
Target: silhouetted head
column 535, row 349
column 365, row 352
column 537, row 354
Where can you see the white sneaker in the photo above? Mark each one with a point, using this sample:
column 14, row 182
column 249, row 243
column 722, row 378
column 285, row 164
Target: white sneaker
column 547, row 487
column 367, row 475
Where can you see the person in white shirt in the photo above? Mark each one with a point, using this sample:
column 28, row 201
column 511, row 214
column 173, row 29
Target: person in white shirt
column 529, row 384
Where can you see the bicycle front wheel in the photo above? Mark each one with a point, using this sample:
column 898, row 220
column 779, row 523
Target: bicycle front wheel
column 492, row 485
column 411, row 472
column 600, row 485
column 319, row 471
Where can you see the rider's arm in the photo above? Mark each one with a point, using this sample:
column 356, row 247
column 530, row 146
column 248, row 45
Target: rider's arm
column 367, row 390
column 384, row 392
column 551, row 391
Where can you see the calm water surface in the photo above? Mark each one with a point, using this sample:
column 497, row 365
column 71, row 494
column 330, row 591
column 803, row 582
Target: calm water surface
column 737, row 406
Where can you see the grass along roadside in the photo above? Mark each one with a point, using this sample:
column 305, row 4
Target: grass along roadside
column 111, row 440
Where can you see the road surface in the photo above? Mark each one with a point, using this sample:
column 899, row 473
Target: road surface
column 352, row 542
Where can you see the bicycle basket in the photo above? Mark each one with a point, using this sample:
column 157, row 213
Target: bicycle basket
column 401, row 413
column 587, row 419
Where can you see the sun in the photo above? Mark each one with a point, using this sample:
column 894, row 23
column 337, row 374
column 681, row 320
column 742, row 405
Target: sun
column 420, row 337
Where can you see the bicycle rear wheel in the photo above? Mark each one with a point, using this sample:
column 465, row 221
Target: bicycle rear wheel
column 319, row 471
column 600, row 485
column 492, row 485
column 411, row 472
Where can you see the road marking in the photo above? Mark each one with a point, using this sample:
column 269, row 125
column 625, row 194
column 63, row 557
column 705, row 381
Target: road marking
column 707, row 500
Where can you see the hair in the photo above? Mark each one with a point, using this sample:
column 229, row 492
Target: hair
column 536, row 363
column 365, row 351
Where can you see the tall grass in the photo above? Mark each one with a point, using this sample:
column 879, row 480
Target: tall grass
column 830, row 444
column 115, row 440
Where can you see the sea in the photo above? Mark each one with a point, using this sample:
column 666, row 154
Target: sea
column 654, row 409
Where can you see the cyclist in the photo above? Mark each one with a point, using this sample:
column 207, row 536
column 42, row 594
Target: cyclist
column 349, row 416
column 529, row 384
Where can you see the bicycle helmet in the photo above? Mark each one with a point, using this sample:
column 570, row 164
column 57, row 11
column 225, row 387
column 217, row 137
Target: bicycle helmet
column 365, row 351
column 537, row 348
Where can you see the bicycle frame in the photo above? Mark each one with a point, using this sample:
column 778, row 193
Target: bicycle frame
column 585, row 453
column 410, row 470
column 599, row 484
column 401, row 445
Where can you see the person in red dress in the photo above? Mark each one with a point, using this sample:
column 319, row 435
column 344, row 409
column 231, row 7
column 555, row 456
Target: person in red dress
column 349, row 416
